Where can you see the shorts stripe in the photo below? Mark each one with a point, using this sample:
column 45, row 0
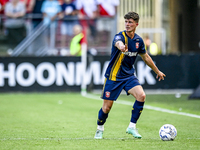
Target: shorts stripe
column 103, row 87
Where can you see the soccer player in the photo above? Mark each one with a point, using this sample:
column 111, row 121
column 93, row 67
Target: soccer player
column 120, row 74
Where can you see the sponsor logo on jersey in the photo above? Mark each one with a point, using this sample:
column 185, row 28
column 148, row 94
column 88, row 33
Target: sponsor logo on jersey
column 130, row 53
column 137, row 45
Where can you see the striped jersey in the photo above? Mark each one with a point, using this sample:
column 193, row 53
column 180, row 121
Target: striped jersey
column 121, row 63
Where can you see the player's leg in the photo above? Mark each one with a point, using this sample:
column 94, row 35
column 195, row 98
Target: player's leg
column 139, row 94
column 102, row 116
column 103, row 112
column 110, row 93
column 134, row 88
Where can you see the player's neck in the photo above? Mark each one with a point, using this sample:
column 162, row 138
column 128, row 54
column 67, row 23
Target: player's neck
column 131, row 34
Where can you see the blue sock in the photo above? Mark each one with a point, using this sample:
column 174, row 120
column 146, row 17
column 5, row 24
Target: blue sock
column 102, row 117
column 136, row 111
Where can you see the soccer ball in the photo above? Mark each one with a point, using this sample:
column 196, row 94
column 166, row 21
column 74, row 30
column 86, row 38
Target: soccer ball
column 167, row 132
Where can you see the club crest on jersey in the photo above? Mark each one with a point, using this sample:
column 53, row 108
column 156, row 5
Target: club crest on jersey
column 137, row 45
column 107, row 94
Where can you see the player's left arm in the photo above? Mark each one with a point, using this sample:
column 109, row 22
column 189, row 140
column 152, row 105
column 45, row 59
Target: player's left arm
column 148, row 60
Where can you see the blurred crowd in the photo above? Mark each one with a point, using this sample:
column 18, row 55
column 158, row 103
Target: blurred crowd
column 77, row 17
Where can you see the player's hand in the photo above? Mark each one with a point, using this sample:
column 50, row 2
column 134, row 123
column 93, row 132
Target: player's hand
column 123, row 48
column 160, row 76
column 126, row 48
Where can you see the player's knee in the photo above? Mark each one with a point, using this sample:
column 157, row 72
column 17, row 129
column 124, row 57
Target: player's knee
column 141, row 97
column 106, row 109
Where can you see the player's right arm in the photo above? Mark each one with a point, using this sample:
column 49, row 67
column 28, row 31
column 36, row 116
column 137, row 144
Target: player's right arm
column 120, row 45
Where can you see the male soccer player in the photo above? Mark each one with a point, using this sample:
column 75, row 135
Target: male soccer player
column 120, row 74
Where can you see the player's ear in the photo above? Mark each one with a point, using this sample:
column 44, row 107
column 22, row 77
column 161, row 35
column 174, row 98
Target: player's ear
column 137, row 24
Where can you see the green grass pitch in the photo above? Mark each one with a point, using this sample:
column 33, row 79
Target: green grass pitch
column 67, row 121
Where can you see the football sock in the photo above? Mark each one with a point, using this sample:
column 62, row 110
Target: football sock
column 136, row 111
column 132, row 125
column 102, row 117
column 100, row 127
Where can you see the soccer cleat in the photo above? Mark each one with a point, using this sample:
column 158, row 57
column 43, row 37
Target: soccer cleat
column 134, row 132
column 99, row 134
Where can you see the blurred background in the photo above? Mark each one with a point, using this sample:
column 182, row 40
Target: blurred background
column 41, row 42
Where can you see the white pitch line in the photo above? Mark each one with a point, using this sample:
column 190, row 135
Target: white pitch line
column 68, row 139
column 60, row 139
column 146, row 107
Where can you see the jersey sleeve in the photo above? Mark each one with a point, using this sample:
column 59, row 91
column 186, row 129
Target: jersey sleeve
column 118, row 37
column 142, row 49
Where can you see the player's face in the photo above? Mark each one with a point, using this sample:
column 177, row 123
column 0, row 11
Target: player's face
column 130, row 25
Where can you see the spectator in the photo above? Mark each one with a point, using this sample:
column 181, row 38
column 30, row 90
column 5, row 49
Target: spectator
column 61, row 2
column 0, row 14
column 87, row 10
column 107, row 11
column 106, row 8
column 14, row 23
column 77, row 40
column 69, row 15
column 50, row 10
column 37, row 14
column 3, row 3
column 2, row 29
column 147, row 42
column 29, row 5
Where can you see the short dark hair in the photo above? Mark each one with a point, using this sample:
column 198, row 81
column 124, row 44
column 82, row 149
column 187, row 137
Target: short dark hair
column 132, row 15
